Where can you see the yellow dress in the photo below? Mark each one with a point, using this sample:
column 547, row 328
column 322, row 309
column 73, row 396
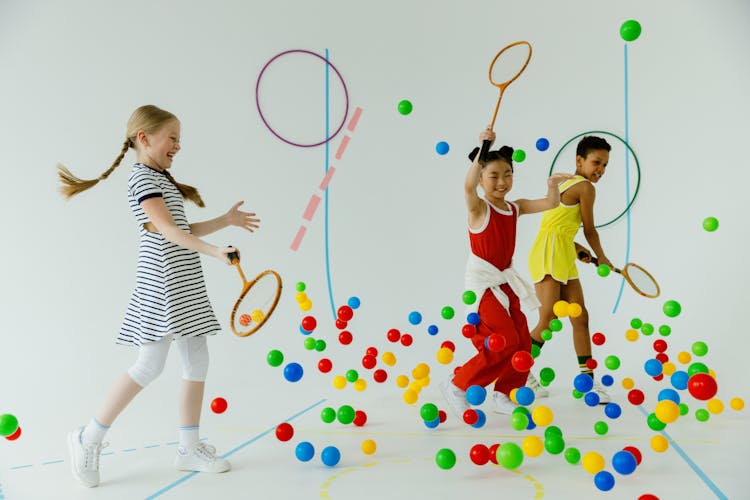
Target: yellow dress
column 553, row 251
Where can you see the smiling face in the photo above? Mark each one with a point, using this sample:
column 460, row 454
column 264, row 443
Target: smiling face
column 496, row 179
column 157, row 149
column 593, row 166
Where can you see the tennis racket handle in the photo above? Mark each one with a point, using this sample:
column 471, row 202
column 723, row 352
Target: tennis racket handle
column 483, row 152
column 583, row 255
column 233, row 257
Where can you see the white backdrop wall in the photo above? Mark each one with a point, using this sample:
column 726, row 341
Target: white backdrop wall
column 73, row 72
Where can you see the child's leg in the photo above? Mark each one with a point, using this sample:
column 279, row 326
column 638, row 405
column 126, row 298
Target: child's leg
column 548, row 292
column 194, row 355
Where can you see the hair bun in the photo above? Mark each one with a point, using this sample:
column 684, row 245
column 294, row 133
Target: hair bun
column 506, row 151
column 473, row 153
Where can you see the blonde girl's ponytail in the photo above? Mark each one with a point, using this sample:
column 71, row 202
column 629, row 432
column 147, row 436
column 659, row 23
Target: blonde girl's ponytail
column 187, row 192
column 72, row 185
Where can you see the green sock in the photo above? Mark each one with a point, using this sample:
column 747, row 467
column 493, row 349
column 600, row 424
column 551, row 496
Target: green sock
column 583, row 367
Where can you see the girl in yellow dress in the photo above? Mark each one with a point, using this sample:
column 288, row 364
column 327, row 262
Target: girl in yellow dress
column 552, row 258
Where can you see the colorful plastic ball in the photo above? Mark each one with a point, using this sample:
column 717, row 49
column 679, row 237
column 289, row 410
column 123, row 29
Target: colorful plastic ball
column 665, row 330
column 493, row 453
column 468, row 330
column 402, row 381
column 546, row 375
column 388, row 358
column 345, row 313
column 345, row 337
column 8, row 424
column 532, row 446
column 472, row 318
column 672, row 308
column 542, row 416
column 535, row 351
column 309, row 323
column 470, row 416
column 429, row 411
column 339, row 382
column 631, row 335
column 591, row 399
column 245, row 319
column 612, row 410
column 583, row 383
column 495, row 342
column 479, row 454
column 360, row 385
column 702, row 386
column 404, row 107
column 604, row 480
column 574, row 310
column 710, row 224
column 554, row 444
column 612, row 362
column 481, row 419
column 607, row 380
column 257, row 316
column 476, row 394
column 667, row 411
column 660, row 345
column 351, row 375
column 442, row 416
column 636, row 323
column 469, row 297
column 444, row 356
column 445, row 458
column 546, row 334
column 330, row 456
column 340, row 324
column 372, row 351
column 369, row 362
column 406, row 340
column 393, row 335
column 442, row 148
column 697, row 367
column 519, row 155
column 572, row 455
column 522, row 361
column 380, row 376
column 635, row 452
column 345, row 414
column 304, row 451
column 525, row 396
column 630, row 30
column 15, row 435
column 636, row 397
column 679, row 380
column 684, row 409
column 509, row 455
column 603, row 270
column 274, row 357
column 410, row 396
column 542, row 144
column 219, row 405
column 328, row 415
column 415, row 318
column 648, row 496
column 577, row 394
column 715, row 406
column 653, row 367
column 555, row 325
column 309, row 343
column 432, row 330
column 293, row 372
column 699, row 348
column 354, row 302
column 659, row 443
column 669, row 394
column 519, row 421
column 560, row 308
column 598, row 338
column 592, row 462
column 647, row 329
column 654, row 423
column 663, row 358
column 300, row 286
column 628, row 383
column 369, row 446
column 737, row 404
column 702, row 415
column 305, row 306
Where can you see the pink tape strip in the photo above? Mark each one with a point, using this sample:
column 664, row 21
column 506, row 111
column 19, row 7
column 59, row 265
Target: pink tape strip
column 327, row 178
column 298, row 239
column 355, row 119
column 342, row 147
column 312, row 206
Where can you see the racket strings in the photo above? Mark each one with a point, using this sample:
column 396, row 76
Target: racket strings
column 257, row 304
column 642, row 281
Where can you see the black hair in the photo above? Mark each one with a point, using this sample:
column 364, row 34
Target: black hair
column 505, row 154
column 591, row 143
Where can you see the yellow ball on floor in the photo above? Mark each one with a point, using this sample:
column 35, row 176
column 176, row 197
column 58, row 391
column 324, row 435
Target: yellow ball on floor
column 593, row 462
column 659, row 443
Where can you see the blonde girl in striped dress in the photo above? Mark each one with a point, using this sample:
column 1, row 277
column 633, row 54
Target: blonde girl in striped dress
column 169, row 302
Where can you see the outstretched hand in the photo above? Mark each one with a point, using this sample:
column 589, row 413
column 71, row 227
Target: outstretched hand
column 487, row 135
column 555, row 179
column 246, row 220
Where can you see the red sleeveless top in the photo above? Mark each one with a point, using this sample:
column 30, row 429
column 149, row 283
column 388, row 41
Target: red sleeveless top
column 495, row 241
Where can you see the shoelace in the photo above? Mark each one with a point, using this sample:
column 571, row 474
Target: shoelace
column 533, row 383
column 91, row 454
column 206, row 451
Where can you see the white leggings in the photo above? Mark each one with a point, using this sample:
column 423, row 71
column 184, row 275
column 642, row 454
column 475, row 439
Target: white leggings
column 153, row 355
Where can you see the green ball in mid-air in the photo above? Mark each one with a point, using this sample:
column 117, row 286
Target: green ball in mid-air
column 519, row 155
column 405, row 107
column 603, row 270
column 510, row 455
column 428, row 412
column 630, row 30
column 700, row 348
column 469, row 297
column 445, row 458
column 275, row 357
column 672, row 308
column 300, row 286
column 555, row 325
column 447, row 312
column 710, row 224
column 612, row 362
column 8, row 424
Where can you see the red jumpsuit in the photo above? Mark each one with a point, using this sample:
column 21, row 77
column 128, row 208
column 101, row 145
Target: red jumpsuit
column 495, row 243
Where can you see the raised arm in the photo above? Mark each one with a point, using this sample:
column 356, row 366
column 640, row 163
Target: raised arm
column 474, row 203
column 233, row 217
column 548, row 202
column 587, row 198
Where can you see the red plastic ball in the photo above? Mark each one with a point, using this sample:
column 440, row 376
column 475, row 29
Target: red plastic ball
column 393, row 335
column 648, row 496
column 450, row 345
column 468, row 330
column 591, row 364
column 324, row 365
column 309, row 323
column 471, row 416
column 663, row 357
column 659, row 377
column 442, row 416
column 345, row 313
column 369, row 362
column 406, row 340
column 372, row 351
column 360, row 418
column 493, row 453
column 636, row 396
column 660, row 345
column 496, row 342
column 635, row 452
column 702, row 386
column 598, row 338
column 15, row 435
column 345, row 337
column 219, row 405
column 522, row 361
column 380, row 376
column 479, row 454
column 341, row 324
column 284, row 432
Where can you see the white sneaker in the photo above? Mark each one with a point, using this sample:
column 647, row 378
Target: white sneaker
column 603, row 396
column 455, row 397
column 84, row 458
column 201, row 457
column 533, row 384
column 502, row 404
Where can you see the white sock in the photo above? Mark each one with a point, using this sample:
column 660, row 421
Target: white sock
column 189, row 435
column 93, row 432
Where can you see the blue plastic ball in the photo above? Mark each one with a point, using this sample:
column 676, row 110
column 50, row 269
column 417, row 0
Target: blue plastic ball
column 415, row 318
column 607, row 380
column 330, row 455
column 679, row 380
column 481, row 420
column 304, row 451
column 303, row 331
column 432, row 423
column 542, row 144
column 612, row 410
column 442, row 148
column 472, row 318
column 532, row 424
column 293, row 372
column 583, row 383
column 653, row 367
column 475, row 395
column 623, row 462
column 604, row 480
column 432, row 329
column 591, row 398
column 669, row 394
column 353, row 302
column 525, row 396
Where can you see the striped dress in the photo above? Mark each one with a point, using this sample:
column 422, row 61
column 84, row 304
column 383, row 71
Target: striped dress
column 170, row 294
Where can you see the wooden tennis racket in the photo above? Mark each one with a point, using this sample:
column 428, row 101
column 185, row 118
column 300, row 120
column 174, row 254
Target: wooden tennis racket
column 256, row 302
column 637, row 277
column 502, row 86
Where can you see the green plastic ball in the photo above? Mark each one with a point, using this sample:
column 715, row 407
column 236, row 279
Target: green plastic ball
column 509, row 455
column 445, row 458
column 665, row 330
column 710, row 224
column 469, row 297
column 328, row 415
column 300, row 286
column 428, row 412
column 547, row 374
column 603, row 270
column 405, row 107
column 636, row 323
column 554, row 444
column 601, row 428
column 630, row 30
column 697, row 367
column 654, row 423
column 552, row 430
column 320, row 345
column 672, row 308
column 352, row 375
column 447, row 312
column 700, row 348
column 555, row 325
column 519, row 155
column 519, row 421
column 647, row 329
column 8, row 424
column 702, row 415
column 546, row 334
column 684, row 409
column 275, row 357
column 612, row 362
column 572, row 456
column 535, row 351
column 309, row 343
column 521, row 409
column 577, row 394
column 345, row 414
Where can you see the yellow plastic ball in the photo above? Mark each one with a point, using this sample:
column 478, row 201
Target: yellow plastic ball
column 512, row 395
column 684, row 357
column 300, row 297
column 659, row 443
column 420, row 371
column 737, row 403
column 542, row 416
column 402, row 381
column 360, row 385
column 423, row 382
column 389, row 358
column 574, row 310
column 339, row 382
column 532, row 446
column 444, row 356
column 410, row 397
column 369, row 446
column 560, row 309
column 712, row 372
column 631, row 335
column 257, row 315
column 668, row 368
column 415, row 386
column 593, row 462
column 306, row 305
column 627, row 383
column 667, row 411
column 715, row 406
